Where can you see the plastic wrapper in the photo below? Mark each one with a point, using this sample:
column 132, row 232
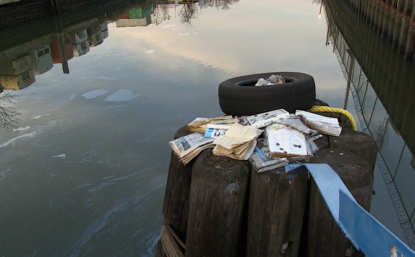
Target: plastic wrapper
column 272, row 80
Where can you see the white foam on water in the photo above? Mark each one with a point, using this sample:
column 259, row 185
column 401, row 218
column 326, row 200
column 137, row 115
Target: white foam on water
column 105, row 78
column 59, row 156
column 72, row 97
column 20, row 129
column 95, row 93
column 184, row 34
column 39, row 116
column 29, row 135
column 150, row 51
column 121, row 96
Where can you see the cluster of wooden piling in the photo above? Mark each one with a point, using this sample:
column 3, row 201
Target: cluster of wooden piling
column 393, row 20
column 217, row 206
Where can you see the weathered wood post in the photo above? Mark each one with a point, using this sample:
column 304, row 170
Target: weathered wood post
column 352, row 155
column 176, row 197
column 358, row 143
column 218, row 201
column 276, row 209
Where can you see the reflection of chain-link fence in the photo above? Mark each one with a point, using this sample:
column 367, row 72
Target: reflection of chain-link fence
column 8, row 116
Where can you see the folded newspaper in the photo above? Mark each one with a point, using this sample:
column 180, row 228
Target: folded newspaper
column 295, row 122
column 264, row 119
column 238, row 142
column 199, row 125
column 325, row 125
column 188, row 147
column 215, row 131
column 261, row 159
column 286, row 142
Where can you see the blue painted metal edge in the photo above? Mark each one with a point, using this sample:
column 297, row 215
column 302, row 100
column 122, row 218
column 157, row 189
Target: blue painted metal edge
column 363, row 230
column 372, row 237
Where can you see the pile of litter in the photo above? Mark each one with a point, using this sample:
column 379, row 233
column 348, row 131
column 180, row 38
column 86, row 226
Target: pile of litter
column 268, row 140
column 272, row 80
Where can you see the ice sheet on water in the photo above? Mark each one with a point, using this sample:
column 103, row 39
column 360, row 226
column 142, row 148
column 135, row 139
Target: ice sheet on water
column 30, row 135
column 121, row 96
column 95, row 93
column 20, row 129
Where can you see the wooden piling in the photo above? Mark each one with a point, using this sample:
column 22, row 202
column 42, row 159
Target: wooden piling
column 276, row 207
column 176, row 197
column 218, row 201
column 358, row 143
column 323, row 236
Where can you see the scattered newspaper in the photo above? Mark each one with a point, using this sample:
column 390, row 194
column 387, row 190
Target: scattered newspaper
column 215, row 131
column 261, row 159
column 325, row 125
column 238, row 142
column 295, row 122
column 242, row 152
column 188, row 147
column 199, row 125
column 286, row 142
column 264, row 119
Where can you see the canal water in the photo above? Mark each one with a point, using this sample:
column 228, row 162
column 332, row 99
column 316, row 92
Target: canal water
column 84, row 148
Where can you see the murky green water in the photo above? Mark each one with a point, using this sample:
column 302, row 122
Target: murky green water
column 83, row 171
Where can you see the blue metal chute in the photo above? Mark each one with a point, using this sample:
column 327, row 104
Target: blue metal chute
column 363, row 230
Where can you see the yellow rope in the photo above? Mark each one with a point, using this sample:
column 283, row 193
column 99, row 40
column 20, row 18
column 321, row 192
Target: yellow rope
column 316, row 108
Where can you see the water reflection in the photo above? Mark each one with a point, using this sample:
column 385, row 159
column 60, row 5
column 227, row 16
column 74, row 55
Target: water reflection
column 8, row 115
column 97, row 156
column 20, row 63
column 381, row 84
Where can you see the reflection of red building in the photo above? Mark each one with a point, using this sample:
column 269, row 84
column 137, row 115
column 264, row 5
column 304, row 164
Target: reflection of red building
column 54, row 47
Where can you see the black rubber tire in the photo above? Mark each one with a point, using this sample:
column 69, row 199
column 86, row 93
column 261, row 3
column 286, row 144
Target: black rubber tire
column 239, row 96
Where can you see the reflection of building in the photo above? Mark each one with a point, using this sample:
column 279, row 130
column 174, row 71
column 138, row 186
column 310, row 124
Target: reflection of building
column 381, row 84
column 140, row 16
column 17, row 74
column 104, row 30
column 42, row 60
column 54, row 47
column 80, row 43
column 95, row 35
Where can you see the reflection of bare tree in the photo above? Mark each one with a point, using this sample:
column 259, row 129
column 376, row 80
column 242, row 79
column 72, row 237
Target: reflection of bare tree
column 188, row 12
column 161, row 13
column 220, row 4
column 8, row 116
column 189, row 8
